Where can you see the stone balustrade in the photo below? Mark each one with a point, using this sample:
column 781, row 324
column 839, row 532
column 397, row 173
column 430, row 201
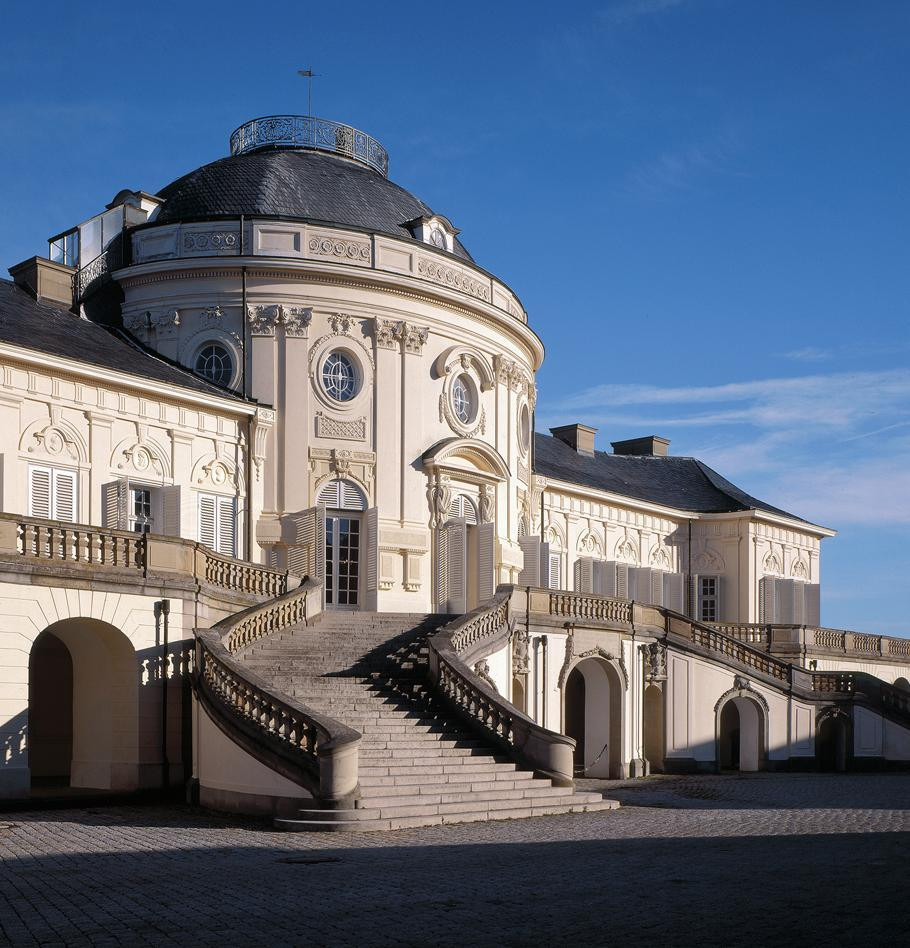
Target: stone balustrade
column 469, row 638
column 105, row 552
column 592, row 608
column 307, row 747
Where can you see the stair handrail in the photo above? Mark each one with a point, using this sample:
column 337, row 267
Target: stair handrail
column 474, row 698
column 307, row 747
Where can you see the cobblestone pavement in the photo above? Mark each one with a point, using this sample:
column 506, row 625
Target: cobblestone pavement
column 758, row 860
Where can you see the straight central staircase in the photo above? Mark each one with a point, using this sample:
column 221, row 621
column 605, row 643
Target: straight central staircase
column 419, row 765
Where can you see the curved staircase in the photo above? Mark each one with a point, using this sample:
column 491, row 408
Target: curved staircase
column 419, row 766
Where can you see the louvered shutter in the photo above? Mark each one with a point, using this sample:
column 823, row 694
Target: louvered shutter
column 719, row 598
column 227, row 526
column 694, row 597
column 584, row 574
column 544, row 580
column 371, row 548
column 456, row 556
column 530, row 574
column 306, row 557
column 812, row 592
column 207, row 521
column 40, row 482
column 170, row 503
column 673, row 592
column 555, row 571
column 486, row 561
column 351, row 496
column 114, row 499
column 657, row 588
column 442, row 569
column 639, row 583
column 599, row 582
column 341, row 495
column 767, row 600
column 64, row 507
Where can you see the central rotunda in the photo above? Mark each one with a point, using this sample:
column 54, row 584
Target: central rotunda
column 401, row 373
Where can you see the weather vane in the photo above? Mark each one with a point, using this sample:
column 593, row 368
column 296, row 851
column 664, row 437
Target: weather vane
column 309, row 75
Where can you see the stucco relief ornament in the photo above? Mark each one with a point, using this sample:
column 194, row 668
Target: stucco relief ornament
column 215, row 471
column 55, row 441
column 341, row 323
column 386, row 334
column 708, row 562
column 141, row 458
column 799, row 571
column 413, row 337
column 341, row 462
column 655, row 657
column 482, row 671
column 295, row 319
column 261, row 320
column 440, row 499
column 589, row 545
column 213, row 313
column 487, row 503
column 660, row 558
column 625, row 552
column 772, row 564
column 521, row 652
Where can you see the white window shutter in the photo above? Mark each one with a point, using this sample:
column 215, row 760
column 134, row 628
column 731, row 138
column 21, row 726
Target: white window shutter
column 657, row 587
column 39, row 492
column 544, row 580
column 694, row 597
column 170, row 503
column 530, row 574
column 65, row 506
column 813, row 603
column 767, row 600
column 208, row 530
column 227, row 526
column 599, row 582
column 673, row 592
column 114, row 499
column 371, row 541
column 719, row 598
column 584, row 574
column 486, row 561
column 555, row 571
column 456, row 555
column 639, row 587
column 442, row 569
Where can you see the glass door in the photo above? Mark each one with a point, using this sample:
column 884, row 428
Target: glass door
column 342, row 561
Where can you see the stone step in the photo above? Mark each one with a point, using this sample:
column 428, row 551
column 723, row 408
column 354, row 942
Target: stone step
column 443, row 796
column 421, row 754
column 454, row 766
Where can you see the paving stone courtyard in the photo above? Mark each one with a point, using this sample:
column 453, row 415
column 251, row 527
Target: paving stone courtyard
column 756, row 860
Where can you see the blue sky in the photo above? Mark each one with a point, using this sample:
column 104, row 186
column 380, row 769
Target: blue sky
column 702, row 203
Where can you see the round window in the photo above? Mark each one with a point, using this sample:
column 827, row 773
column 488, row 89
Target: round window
column 339, row 377
column 524, row 428
column 463, row 399
column 215, row 363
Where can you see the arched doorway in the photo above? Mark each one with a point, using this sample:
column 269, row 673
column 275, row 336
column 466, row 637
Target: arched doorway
column 344, row 504
column 654, row 728
column 50, row 711
column 519, row 698
column 832, row 743
column 101, row 737
column 740, row 733
column 592, row 715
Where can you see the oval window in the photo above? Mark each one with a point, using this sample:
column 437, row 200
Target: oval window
column 339, row 377
column 524, row 428
column 463, row 401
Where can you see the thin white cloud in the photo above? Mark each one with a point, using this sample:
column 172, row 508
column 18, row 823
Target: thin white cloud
column 809, row 354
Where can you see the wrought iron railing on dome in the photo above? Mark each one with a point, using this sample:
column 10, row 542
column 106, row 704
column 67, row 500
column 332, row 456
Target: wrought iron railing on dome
column 307, row 131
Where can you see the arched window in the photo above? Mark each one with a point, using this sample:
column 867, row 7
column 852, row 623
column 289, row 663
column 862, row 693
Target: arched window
column 215, row 363
column 342, row 495
column 463, row 507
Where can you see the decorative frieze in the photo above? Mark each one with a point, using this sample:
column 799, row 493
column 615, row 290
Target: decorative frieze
column 393, row 335
column 212, row 241
column 348, row 250
column 450, row 276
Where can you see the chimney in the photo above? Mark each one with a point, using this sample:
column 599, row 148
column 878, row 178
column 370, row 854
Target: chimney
column 649, row 446
column 45, row 280
column 579, row 438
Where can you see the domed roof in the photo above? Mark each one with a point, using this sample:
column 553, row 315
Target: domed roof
column 295, row 183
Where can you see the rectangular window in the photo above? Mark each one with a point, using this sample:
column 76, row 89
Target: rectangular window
column 218, row 523
column 140, row 509
column 707, row 595
column 52, row 493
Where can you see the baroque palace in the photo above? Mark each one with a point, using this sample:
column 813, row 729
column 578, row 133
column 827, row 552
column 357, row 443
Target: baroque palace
column 278, row 527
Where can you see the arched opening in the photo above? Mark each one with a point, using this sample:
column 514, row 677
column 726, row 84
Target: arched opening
column 575, row 716
column 518, row 693
column 50, row 711
column 344, row 502
column 902, row 683
column 654, row 728
column 592, row 715
column 740, row 735
column 832, row 743
column 100, row 738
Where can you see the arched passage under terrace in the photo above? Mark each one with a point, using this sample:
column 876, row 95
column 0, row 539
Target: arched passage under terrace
column 741, row 731
column 833, row 741
column 89, row 667
column 592, row 716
